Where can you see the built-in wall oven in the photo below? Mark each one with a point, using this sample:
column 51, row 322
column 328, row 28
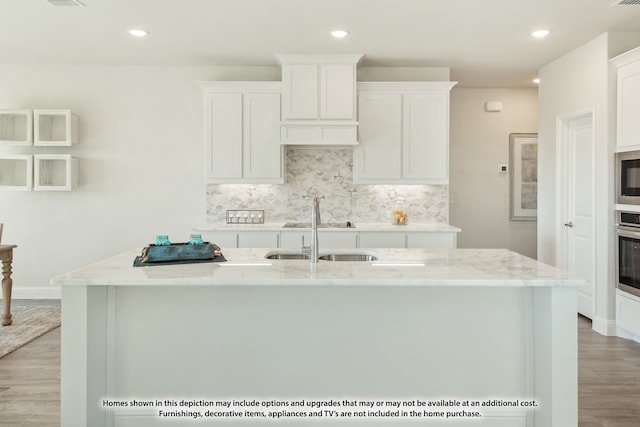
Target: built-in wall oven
column 628, row 252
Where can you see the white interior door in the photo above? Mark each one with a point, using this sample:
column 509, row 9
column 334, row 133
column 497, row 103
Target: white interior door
column 576, row 234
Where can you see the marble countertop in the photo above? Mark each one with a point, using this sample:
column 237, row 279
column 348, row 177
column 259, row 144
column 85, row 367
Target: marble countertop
column 395, row 267
column 433, row 227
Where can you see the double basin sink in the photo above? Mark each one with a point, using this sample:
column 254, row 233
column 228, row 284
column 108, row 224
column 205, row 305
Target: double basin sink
column 337, row 256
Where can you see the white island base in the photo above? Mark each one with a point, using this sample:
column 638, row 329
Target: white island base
column 342, row 332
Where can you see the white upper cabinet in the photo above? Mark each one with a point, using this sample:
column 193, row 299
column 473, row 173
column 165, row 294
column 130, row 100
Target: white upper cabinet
column 378, row 157
column 337, row 91
column 300, row 91
column 319, row 99
column 242, row 132
column 404, row 133
column 628, row 103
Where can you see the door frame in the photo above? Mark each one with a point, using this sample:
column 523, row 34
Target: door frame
column 563, row 122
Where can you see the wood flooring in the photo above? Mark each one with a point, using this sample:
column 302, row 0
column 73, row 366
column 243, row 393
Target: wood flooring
column 608, row 371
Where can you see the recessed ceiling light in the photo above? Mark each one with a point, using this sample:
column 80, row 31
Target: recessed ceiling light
column 339, row 33
column 536, row 80
column 137, row 32
column 540, row 33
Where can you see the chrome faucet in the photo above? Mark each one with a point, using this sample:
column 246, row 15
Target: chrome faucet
column 315, row 221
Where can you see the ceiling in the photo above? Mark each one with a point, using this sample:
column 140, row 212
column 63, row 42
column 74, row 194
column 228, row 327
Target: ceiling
column 486, row 43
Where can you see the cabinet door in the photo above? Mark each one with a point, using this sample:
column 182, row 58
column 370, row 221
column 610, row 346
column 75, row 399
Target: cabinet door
column 425, row 154
column 373, row 239
column 337, row 91
column 262, row 152
column 378, row 157
column 257, row 239
column 431, row 240
column 293, row 239
column 629, row 105
column 300, row 91
column 222, row 239
column 223, row 136
column 337, row 239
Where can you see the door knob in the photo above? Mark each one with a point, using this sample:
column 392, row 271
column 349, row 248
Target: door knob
column 568, row 224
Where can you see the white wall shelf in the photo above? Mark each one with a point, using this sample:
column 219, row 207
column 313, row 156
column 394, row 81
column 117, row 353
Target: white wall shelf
column 16, row 172
column 55, row 172
column 16, row 127
column 55, row 128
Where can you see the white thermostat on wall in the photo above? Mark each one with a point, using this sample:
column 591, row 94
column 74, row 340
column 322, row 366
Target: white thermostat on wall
column 493, row 106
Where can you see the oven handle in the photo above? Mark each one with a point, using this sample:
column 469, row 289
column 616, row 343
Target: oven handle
column 633, row 232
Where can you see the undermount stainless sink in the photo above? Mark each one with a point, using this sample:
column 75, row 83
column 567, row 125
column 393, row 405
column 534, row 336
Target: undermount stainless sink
column 347, row 224
column 338, row 256
column 286, row 255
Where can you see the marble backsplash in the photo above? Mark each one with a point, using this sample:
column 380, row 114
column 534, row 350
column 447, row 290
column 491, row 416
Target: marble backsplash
column 328, row 173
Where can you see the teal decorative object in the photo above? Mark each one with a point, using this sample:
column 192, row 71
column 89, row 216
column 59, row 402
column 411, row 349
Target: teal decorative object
column 162, row 240
column 196, row 239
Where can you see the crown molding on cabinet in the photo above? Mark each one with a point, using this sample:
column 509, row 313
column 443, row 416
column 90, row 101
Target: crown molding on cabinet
column 405, row 86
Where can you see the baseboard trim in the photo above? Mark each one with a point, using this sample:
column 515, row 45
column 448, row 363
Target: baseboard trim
column 40, row 292
column 604, row 327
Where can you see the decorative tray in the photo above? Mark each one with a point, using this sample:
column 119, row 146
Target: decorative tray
column 179, row 253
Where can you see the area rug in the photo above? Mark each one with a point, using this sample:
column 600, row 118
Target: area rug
column 29, row 322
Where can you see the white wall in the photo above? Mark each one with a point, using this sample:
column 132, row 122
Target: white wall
column 578, row 80
column 141, row 170
column 479, row 143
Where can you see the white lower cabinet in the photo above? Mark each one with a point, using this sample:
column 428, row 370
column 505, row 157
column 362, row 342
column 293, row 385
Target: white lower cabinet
column 628, row 315
column 222, row 239
column 379, row 239
column 242, row 239
column 293, row 239
column 340, row 239
column 258, row 239
column 326, row 239
column 432, row 240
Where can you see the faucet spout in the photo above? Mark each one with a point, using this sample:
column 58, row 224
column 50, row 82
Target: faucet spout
column 315, row 221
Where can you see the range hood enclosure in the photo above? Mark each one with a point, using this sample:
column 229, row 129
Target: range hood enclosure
column 319, row 99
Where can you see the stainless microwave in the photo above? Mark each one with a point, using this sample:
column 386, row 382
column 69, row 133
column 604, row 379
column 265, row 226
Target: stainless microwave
column 628, row 178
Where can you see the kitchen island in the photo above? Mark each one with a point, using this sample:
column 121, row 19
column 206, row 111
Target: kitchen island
column 464, row 337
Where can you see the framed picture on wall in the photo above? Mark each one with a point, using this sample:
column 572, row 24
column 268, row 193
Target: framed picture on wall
column 523, row 164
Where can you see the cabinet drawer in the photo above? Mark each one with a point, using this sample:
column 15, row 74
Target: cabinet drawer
column 628, row 313
column 326, row 239
column 337, row 239
column 222, row 239
column 431, row 240
column 382, row 240
column 327, row 134
column 293, row 239
column 257, row 239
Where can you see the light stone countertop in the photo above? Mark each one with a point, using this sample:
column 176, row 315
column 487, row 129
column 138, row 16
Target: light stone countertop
column 395, row 267
column 433, row 227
